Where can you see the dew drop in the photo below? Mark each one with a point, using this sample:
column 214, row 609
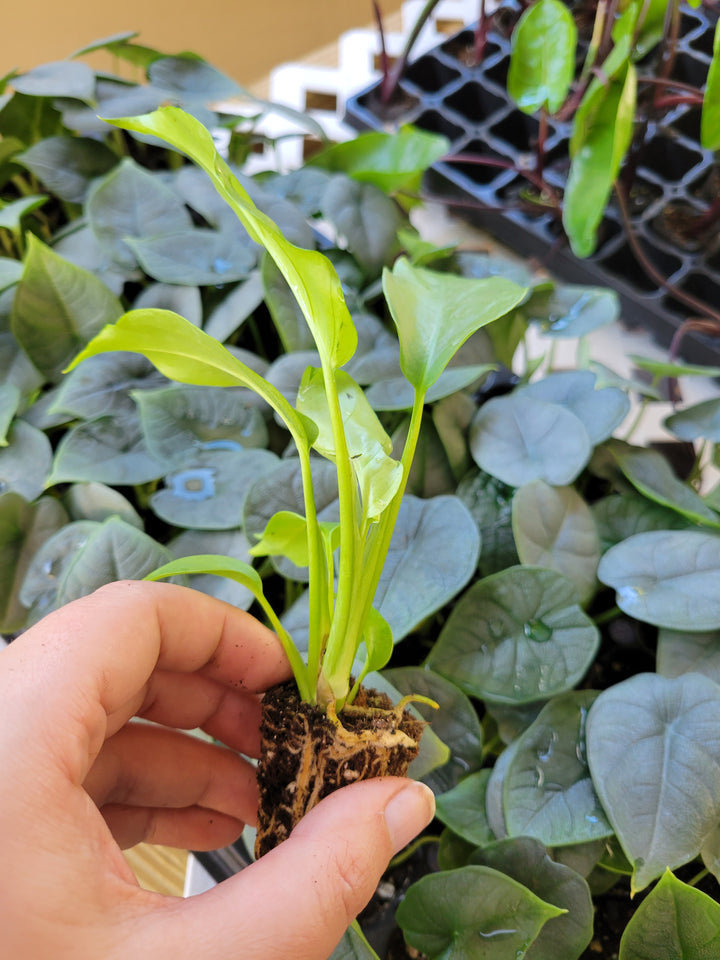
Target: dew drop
column 537, row 630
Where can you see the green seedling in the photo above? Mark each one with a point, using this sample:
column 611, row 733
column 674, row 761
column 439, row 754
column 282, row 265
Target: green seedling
column 434, row 314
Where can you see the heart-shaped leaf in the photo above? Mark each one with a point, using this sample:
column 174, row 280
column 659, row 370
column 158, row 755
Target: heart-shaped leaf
column 600, row 410
column 519, row 439
column 490, row 503
column 547, row 791
column 527, row 861
column 554, row 528
column 674, row 922
column 667, row 577
column 619, row 516
column 107, row 450
column 45, row 572
column 702, row 420
column 473, row 912
column 542, row 61
column 62, row 78
column 25, row 461
column 67, row 165
column 366, row 219
column 462, row 809
column 646, row 738
column 689, row 651
column 101, row 385
column 517, row 636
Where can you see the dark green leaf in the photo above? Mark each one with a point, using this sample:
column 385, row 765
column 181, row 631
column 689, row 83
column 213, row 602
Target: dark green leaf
column 517, row 636
column 490, row 503
column 689, row 651
column 235, row 309
column 100, row 386
column 654, row 755
column 108, row 450
column 366, row 219
column 526, row 860
column 701, row 421
column 229, row 542
column 9, row 403
column 619, row 516
column 96, row 501
column 575, row 311
column 184, row 300
column 473, row 913
column 62, row 78
column 194, row 257
column 25, row 461
column 45, row 571
column 284, row 310
column 463, row 809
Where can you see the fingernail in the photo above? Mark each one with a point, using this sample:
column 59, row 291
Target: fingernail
column 408, row 812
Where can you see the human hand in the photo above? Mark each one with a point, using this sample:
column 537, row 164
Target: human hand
column 79, row 781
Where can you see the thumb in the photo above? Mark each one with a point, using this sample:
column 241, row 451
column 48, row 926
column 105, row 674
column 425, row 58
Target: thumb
column 298, row 900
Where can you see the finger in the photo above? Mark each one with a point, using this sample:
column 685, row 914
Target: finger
column 188, row 701
column 148, row 766
column 93, row 657
column 299, row 899
column 193, row 828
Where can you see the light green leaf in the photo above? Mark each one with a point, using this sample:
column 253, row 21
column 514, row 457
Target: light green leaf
column 286, row 535
column 353, row 946
column 554, row 528
column 435, row 313
column 542, row 60
column 473, row 913
column 667, row 577
column 648, row 738
column 57, row 308
column 710, row 115
column 517, row 636
column 547, row 791
column 665, row 368
column 519, row 439
column 184, row 353
column 603, row 129
column 527, row 861
column 11, row 214
column 310, row 275
column 391, row 161
column 378, row 641
column 379, row 478
column 674, row 922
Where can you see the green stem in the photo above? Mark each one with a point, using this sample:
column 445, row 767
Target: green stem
column 698, row 877
column 412, row 849
column 607, row 616
column 298, row 667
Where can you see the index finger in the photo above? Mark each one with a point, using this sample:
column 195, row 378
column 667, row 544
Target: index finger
column 65, row 676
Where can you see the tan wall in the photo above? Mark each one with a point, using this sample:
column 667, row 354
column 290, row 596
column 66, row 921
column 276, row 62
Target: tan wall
column 243, row 39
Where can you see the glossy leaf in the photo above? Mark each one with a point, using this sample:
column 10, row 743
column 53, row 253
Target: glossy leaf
column 286, row 535
column 619, row 516
column 391, row 161
column 689, row 651
column 435, row 313
column 674, row 922
column 208, row 491
column 490, row 503
column 554, row 528
column 473, row 913
column 605, row 118
column 57, row 308
column 463, row 809
column 710, row 115
column 547, row 790
column 542, row 60
column 646, row 738
column 519, row 439
column 575, row 311
column 45, row 572
column 284, row 308
column 527, row 861
column 517, row 636
column 378, row 644
column 310, row 275
column 667, row 577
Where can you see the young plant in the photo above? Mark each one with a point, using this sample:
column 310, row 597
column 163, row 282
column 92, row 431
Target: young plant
column 434, row 315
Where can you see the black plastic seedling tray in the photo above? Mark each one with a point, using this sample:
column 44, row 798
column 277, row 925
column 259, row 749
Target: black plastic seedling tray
column 443, row 91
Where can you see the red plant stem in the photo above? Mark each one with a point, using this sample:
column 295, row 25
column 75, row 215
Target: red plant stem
column 669, row 82
column 665, row 103
column 540, row 146
column 707, row 327
column 697, row 306
column 486, row 161
column 481, row 31
column 671, row 33
column 398, row 69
